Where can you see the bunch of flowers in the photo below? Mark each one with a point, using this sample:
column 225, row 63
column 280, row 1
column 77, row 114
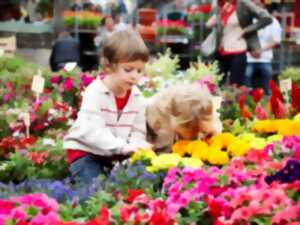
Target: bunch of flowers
column 171, row 27
column 164, row 161
column 279, row 126
column 219, row 148
column 35, row 208
column 70, row 85
column 43, row 159
column 84, row 19
column 253, row 104
column 197, row 14
column 162, row 73
column 205, row 74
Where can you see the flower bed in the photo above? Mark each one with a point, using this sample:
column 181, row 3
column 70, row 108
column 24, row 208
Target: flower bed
column 249, row 174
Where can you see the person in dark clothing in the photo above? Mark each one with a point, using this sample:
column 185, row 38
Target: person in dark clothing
column 66, row 49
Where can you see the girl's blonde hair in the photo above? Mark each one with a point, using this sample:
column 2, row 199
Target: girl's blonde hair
column 123, row 46
column 191, row 103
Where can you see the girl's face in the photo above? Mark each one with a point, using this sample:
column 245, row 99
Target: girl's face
column 129, row 73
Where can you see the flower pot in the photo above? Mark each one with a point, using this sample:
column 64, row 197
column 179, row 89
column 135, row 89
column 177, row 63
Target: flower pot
column 147, row 16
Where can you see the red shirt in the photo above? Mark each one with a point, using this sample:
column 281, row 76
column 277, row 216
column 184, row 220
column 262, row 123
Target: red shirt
column 74, row 154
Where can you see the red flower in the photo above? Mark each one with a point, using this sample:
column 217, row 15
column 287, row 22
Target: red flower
column 127, row 212
column 133, row 193
column 205, row 8
column 257, row 94
column 244, row 110
column 102, row 219
column 295, row 96
column 275, row 91
column 27, row 141
column 277, row 107
column 160, row 218
column 38, row 158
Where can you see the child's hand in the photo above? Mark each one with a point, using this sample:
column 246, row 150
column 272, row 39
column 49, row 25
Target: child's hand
column 128, row 149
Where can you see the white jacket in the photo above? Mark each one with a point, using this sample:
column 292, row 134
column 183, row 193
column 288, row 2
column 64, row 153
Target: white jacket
column 98, row 129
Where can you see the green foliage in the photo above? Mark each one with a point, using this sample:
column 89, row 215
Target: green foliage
column 292, row 73
column 19, row 166
column 17, row 71
column 200, row 70
column 89, row 209
column 163, row 67
column 15, row 168
column 44, row 6
column 194, row 213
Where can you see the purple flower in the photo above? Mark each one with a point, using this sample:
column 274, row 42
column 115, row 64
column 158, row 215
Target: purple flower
column 68, row 84
column 288, row 174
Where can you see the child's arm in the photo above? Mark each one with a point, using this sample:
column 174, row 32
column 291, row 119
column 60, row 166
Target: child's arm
column 90, row 133
column 138, row 134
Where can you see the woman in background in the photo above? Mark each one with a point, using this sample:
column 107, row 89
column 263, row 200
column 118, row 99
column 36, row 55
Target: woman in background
column 238, row 35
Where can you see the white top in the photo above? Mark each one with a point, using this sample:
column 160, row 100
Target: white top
column 267, row 35
column 98, row 129
column 232, row 41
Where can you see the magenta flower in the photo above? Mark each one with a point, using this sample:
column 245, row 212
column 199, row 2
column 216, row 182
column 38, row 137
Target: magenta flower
column 55, row 79
column 68, row 84
column 7, row 97
column 86, row 79
column 6, row 206
column 209, row 83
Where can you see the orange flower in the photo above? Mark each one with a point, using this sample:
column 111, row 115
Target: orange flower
column 180, row 147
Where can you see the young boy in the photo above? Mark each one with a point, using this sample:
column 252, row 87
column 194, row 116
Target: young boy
column 111, row 121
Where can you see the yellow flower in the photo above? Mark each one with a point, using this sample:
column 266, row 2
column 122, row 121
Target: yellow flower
column 273, row 138
column 258, row 143
column 195, row 146
column 296, row 127
column 297, row 117
column 180, row 147
column 165, row 161
column 201, row 153
column 192, row 162
column 238, row 148
column 285, row 127
column 265, row 126
column 224, row 139
column 218, row 157
column 247, row 137
column 143, row 154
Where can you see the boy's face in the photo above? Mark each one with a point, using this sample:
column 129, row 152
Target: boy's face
column 129, row 73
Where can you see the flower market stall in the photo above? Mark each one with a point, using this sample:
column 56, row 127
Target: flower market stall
column 249, row 174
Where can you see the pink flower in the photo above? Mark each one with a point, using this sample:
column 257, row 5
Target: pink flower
column 42, row 219
column 39, row 200
column 68, row 84
column 261, row 113
column 288, row 214
column 55, row 79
